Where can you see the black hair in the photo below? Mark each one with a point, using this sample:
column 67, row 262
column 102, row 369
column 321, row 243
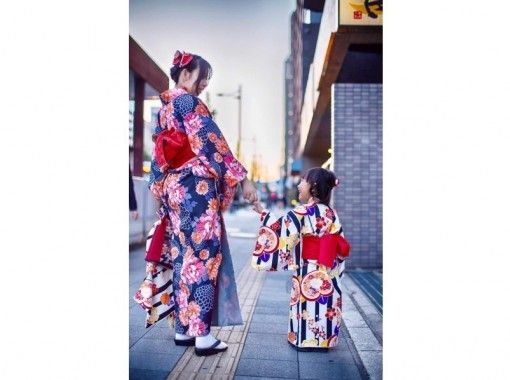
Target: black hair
column 197, row 61
column 321, row 181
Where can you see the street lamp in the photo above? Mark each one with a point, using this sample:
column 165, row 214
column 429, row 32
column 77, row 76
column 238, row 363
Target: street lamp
column 239, row 96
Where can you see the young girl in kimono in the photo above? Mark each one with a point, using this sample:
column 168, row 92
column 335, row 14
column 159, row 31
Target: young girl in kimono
column 308, row 240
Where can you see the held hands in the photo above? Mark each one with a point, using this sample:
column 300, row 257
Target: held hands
column 250, row 194
column 257, row 207
column 249, row 191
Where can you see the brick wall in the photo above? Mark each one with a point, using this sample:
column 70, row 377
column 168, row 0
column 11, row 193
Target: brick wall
column 356, row 128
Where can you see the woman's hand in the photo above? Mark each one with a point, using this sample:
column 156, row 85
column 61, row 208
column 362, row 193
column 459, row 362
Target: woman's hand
column 249, row 191
column 258, row 207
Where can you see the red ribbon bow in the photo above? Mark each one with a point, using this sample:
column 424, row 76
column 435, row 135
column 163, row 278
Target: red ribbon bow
column 182, row 58
column 172, row 149
column 325, row 248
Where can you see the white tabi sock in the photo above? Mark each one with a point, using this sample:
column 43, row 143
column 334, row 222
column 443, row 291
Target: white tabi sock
column 182, row 337
column 207, row 341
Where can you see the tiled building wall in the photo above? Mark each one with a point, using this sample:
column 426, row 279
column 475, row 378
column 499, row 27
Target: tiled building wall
column 356, row 127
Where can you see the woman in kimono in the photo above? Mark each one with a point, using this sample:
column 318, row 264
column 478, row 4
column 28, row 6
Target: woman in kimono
column 195, row 176
column 308, row 240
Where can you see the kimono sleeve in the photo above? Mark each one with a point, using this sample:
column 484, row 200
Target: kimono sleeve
column 209, row 144
column 157, row 176
column 277, row 246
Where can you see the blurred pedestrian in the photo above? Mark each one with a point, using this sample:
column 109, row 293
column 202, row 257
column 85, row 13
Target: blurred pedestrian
column 308, row 240
column 195, row 175
column 133, row 207
column 274, row 199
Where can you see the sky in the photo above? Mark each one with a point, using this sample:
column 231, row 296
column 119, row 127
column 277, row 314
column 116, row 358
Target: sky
column 246, row 42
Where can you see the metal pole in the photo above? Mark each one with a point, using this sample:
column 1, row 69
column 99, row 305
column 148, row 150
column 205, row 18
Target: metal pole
column 239, row 97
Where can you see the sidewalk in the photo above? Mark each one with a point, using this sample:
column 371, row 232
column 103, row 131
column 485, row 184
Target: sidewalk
column 258, row 349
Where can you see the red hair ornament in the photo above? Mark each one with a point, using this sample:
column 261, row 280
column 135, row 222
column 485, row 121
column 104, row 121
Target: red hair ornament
column 182, row 58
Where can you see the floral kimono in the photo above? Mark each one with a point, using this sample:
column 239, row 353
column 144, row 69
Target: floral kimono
column 316, row 297
column 193, row 283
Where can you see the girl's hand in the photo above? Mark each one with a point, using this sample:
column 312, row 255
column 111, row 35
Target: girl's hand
column 249, row 191
column 257, row 207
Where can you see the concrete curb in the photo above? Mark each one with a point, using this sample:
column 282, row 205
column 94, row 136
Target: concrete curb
column 364, row 325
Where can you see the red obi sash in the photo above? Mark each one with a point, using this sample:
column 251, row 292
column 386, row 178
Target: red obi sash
column 325, row 248
column 172, row 149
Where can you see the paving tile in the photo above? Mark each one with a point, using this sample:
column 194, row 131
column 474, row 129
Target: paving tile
column 374, row 317
column 163, row 325
column 160, row 346
column 137, row 317
column 273, row 340
column 265, row 318
column 282, row 310
column 155, row 333
column 278, row 285
column 281, row 288
column 147, row 374
column 275, row 297
column 276, row 290
column 336, row 371
column 339, row 354
column 372, row 361
column 256, row 378
column 253, row 351
column 133, row 304
column 353, row 319
column 264, row 368
column 269, row 303
column 364, row 339
column 133, row 339
column 268, row 328
column 157, row 362
column 136, row 331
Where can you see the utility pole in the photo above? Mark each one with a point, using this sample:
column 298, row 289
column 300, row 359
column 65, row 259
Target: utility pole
column 208, row 102
column 239, row 96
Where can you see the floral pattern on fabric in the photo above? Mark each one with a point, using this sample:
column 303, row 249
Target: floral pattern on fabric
column 315, row 310
column 193, row 196
column 187, row 113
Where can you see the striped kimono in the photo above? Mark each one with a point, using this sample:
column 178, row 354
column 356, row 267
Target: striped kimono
column 316, row 298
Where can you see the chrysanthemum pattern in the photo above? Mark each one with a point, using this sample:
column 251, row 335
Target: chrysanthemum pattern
column 193, row 197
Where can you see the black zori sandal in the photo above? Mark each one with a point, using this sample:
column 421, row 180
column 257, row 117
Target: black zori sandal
column 210, row 350
column 185, row 342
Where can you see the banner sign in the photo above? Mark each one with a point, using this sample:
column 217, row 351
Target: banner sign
column 360, row 12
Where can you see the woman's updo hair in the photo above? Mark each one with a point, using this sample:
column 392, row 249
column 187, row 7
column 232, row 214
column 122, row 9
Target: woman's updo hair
column 197, row 61
column 321, row 181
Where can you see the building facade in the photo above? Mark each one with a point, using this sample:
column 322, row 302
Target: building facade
column 337, row 109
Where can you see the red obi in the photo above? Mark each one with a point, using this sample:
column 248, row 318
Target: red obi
column 325, row 248
column 172, row 149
